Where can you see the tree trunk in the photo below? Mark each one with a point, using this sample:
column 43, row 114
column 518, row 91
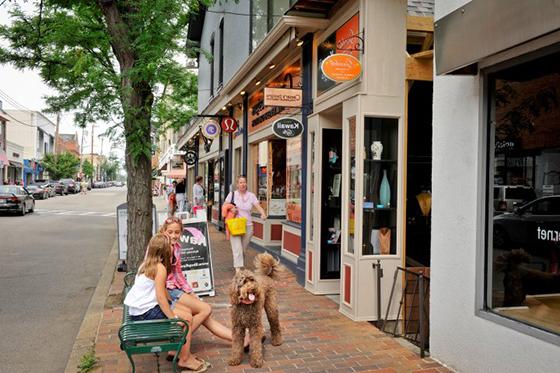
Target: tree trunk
column 139, row 199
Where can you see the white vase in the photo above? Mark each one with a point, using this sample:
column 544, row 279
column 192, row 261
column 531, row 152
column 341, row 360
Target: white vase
column 376, row 150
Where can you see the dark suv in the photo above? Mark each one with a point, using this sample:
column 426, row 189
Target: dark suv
column 73, row 187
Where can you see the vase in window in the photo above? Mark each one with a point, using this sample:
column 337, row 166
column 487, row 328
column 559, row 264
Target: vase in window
column 385, row 191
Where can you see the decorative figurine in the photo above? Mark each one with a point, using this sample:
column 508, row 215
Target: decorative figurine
column 376, row 150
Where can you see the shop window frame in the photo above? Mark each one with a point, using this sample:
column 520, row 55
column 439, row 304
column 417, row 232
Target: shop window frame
column 485, row 185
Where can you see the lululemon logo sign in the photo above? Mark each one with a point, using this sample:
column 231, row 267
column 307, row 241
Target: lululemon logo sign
column 211, row 129
column 287, row 128
column 229, row 124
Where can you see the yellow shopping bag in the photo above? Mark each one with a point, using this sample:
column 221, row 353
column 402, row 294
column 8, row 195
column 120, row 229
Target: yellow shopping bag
column 237, row 226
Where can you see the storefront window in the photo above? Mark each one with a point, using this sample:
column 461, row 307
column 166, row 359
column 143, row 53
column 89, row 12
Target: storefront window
column 293, row 176
column 523, row 219
column 380, row 149
column 351, row 183
column 264, row 15
column 311, row 198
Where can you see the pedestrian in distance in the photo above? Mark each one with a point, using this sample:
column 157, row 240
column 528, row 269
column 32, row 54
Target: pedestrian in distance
column 180, row 195
column 198, row 195
column 239, row 203
column 181, row 291
column 171, row 200
column 148, row 298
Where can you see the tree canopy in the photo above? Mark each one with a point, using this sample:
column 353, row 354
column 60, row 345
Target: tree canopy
column 87, row 168
column 112, row 60
column 60, row 166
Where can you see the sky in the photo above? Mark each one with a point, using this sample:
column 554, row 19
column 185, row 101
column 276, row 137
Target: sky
column 27, row 89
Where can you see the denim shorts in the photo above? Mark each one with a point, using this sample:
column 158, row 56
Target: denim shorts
column 175, row 294
column 152, row 314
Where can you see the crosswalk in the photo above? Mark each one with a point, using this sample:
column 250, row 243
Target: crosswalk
column 75, row 213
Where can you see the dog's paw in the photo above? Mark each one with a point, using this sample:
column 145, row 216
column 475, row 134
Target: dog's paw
column 234, row 362
column 276, row 340
column 256, row 363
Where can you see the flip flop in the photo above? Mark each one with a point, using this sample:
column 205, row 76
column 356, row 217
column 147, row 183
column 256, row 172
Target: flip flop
column 201, row 368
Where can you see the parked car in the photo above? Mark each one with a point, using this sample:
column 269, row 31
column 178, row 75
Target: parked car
column 73, row 186
column 37, row 191
column 507, row 197
column 61, row 188
column 48, row 185
column 15, row 198
column 533, row 226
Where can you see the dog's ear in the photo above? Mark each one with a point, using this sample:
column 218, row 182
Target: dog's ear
column 234, row 290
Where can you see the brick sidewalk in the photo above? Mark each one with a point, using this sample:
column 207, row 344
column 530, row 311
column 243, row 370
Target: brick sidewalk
column 317, row 338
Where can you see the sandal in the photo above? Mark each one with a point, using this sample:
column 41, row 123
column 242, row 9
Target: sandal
column 199, row 369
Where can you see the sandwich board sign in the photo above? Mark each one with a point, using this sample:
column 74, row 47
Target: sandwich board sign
column 122, row 219
column 196, row 256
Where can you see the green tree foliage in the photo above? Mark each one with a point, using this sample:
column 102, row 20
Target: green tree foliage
column 112, row 60
column 61, row 166
column 87, row 169
column 110, row 168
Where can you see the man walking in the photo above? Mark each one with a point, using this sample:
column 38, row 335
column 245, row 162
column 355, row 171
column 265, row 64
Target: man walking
column 180, row 195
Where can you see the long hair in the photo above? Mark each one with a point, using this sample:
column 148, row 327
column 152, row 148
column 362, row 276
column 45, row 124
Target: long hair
column 159, row 251
column 167, row 222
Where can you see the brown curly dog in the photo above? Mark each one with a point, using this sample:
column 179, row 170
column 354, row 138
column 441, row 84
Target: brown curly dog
column 249, row 294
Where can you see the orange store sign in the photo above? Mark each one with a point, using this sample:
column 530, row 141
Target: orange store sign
column 341, row 67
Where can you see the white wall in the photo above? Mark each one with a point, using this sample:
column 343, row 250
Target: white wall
column 21, row 131
column 459, row 338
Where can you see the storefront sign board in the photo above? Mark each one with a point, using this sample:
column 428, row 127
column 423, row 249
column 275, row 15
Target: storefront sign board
column 211, row 129
column 341, row 67
column 229, row 124
column 190, row 157
column 282, row 97
column 196, row 257
column 287, row 128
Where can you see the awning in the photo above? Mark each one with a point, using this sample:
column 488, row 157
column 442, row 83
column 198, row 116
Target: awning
column 174, row 174
column 462, row 37
column 16, row 164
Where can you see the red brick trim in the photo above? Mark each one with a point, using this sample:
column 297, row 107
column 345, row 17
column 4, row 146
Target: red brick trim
column 291, row 243
column 347, row 283
column 310, row 266
column 258, row 230
column 276, row 232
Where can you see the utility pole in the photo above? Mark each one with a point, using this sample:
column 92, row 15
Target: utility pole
column 94, row 173
column 56, row 147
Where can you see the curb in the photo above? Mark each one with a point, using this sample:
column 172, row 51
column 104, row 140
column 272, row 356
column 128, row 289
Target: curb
column 85, row 339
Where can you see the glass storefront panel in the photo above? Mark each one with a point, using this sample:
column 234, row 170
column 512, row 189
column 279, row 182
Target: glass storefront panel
column 259, row 22
column 380, row 149
column 524, row 193
column 293, row 177
column 351, row 183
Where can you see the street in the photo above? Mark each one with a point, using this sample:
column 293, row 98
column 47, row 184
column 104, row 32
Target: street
column 51, row 263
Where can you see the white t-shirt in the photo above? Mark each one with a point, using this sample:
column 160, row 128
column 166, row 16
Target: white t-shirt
column 142, row 297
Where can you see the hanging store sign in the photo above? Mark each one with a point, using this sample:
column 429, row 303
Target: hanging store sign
column 287, row 128
column 229, row 124
column 341, row 67
column 211, row 129
column 282, row 97
column 190, row 157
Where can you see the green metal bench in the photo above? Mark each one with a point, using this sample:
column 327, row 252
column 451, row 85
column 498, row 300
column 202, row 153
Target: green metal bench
column 151, row 336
